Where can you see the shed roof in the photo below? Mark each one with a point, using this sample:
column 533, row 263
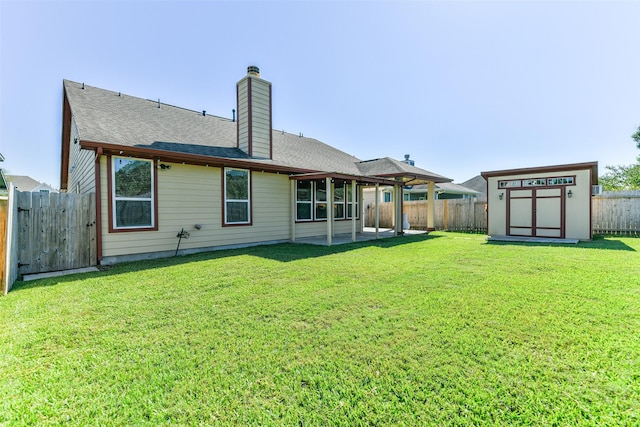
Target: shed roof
column 591, row 166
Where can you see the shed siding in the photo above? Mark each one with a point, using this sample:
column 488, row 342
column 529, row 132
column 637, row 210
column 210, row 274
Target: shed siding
column 577, row 211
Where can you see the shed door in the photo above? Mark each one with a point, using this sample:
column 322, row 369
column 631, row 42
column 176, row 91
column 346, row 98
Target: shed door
column 536, row 212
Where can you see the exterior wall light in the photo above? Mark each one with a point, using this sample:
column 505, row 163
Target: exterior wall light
column 569, row 194
column 500, row 196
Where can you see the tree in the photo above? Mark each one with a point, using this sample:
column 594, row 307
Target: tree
column 619, row 178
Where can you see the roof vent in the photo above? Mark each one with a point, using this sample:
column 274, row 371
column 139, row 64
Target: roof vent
column 252, row 70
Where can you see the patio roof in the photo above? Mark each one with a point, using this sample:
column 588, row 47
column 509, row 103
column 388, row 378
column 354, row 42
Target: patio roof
column 343, row 177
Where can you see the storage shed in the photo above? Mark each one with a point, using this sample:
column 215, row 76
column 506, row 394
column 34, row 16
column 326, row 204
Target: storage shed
column 548, row 201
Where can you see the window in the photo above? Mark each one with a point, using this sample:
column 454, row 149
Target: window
column 565, row 180
column 350, row 203
column 312, row 204
column 321, row 200
column 237, row 206
column 132, row 187
column 338, row 202
column 509, row 184
column 534, row 182
column 304, row 200
column 387, row 196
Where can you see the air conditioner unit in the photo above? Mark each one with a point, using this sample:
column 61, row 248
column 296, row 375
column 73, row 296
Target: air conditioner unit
column 596, row 190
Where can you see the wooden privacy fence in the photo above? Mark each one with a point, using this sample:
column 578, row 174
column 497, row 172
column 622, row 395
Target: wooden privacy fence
column 4, row 210
column 55, row 231
column 450, row 214
column 616, row 213
column 612, row 213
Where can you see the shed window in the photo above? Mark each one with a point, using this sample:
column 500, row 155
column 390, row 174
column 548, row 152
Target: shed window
column 237, row 204
column 565, row 180
column 510, row 184
column 133, row 202
column 534, row 182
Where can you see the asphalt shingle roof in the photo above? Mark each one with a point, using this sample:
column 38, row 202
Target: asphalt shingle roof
column 104, row 116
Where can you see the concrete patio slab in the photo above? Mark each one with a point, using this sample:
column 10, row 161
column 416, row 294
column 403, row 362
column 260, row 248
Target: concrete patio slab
column 367, row 234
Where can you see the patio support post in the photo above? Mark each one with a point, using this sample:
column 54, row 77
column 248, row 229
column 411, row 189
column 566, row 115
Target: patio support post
column 293, row 209
column 353, row 210
column 398, row 209
column 377, row 210
column 360, row 208
column 431, row 205
column 329, row 187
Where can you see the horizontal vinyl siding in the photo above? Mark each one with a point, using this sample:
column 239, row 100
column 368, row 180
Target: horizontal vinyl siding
column 190, row 195
column 81, row 167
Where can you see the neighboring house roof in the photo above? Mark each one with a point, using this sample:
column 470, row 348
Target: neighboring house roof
column 477, row 183
column 105, row 117
column 26, row 183
column 391, row 168
column 3, row 181
column 451, row 188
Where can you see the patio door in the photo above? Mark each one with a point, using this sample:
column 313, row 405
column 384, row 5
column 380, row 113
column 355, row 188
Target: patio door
column 536, row 212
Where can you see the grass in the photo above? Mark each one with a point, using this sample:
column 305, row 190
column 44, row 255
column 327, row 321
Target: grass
column 439, row 330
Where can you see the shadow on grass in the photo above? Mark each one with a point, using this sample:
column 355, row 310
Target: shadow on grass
column 598, row 242
column 283, row 252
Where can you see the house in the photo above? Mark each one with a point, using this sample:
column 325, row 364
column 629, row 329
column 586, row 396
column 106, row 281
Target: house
column 477, row 183
column 548, row 201
column 3, row 182
column 159, row 171
column 443, row 190
column 26, row 183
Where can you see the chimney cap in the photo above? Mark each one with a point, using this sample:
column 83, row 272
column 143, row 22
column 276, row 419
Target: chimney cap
column 252, row 70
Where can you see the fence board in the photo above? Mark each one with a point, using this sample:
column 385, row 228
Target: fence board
column 450, row 214
column 56, row 231
column 11, row 266
column 616, row 213
column 4, row 211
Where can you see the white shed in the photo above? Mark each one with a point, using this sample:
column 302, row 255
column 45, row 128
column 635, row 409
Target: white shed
column 547, row 201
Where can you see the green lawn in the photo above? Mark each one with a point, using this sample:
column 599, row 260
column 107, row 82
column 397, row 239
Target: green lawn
column 440, row 330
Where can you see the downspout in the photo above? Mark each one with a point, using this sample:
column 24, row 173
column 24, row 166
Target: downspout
column 98, row 205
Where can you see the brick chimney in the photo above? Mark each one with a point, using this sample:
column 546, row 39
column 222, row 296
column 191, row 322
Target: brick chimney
column 254, row 114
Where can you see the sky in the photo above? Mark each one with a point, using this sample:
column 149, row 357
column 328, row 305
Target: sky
column 461, row 86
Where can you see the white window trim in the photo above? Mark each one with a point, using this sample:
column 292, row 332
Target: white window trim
column 307, row 202
column 116, row 198
column 247, row 201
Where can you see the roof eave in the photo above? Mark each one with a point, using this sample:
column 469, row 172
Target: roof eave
column 416, row 179
column 592, row 166
column 187, row 158
column 347, row 177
